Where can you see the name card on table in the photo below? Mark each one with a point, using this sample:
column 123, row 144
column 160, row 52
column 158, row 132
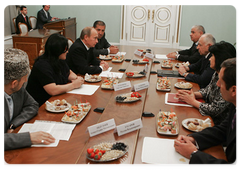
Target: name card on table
column 141, row 86
column 129, row 127
column 101, row 127
column 139, row 53
column 121, row 86
column 149, row 55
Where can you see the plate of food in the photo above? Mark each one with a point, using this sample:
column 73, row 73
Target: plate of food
column 92, row 78
column 142, row 61
column 106, row 151
column 183, row 85
column 105, row 57
column 184, row 64
column 167, row 123
column 57, row 106
column 167, row 64
column 118, row 59
column 76, row 113
column 109, row 82
column 128, row 97
column 196, row 125
column 135, row 74
column 163, row 84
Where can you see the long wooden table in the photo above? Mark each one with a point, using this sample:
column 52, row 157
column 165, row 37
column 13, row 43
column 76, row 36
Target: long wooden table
column 74, row 150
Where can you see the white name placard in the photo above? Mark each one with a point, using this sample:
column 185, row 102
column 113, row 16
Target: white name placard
column 101, row 127
column 121, row 86
column 129, row 127
column 141, row 86
column 149, row 55
column 139, row 53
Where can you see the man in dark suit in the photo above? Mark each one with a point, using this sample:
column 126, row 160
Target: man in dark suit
column 103, row 47
column 202, row 70
column 191, row 146
column 43, row 16
column 23, row 18
column 19, row 106
column 192, row 55
column 80, row 57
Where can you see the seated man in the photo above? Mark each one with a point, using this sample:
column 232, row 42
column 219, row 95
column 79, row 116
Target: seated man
column 43, row 16
column 190, row 146
column 103, row 47
column 80, row 57
column 19, row 106
column 23, row 18
column 192, row 55
column 202, row 70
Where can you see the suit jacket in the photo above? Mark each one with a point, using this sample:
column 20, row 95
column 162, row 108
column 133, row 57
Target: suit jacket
column 202, row 72
column 82, row 61
column 42, row 18
column 25, row 108
column 101, row 47
column 192, row 55
column 216, row 135
column 21, row 19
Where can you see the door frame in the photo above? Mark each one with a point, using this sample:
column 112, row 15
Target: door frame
column 123, row 34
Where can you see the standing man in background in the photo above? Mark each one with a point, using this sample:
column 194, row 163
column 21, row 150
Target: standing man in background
column 43, row 16
column 103, row 47
column 23, row 18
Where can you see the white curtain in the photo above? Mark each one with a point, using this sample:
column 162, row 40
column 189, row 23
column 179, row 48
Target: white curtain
column 10, row 12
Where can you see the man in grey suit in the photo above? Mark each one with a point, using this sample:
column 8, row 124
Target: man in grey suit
column 43, row 16
column 19, row 106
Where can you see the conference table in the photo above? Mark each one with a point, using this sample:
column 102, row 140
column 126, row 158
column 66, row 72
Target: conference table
column 74, row 150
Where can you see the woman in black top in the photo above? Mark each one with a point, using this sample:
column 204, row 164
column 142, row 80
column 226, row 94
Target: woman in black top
column 50, row 73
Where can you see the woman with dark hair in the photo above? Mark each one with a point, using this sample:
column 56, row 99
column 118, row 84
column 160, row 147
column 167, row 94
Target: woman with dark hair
column 214, row 106
column 50, row 74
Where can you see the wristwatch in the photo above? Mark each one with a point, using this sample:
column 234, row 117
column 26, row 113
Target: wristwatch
column 12, row 127
column 193, row 153
column 177, row 55
column 184, row 74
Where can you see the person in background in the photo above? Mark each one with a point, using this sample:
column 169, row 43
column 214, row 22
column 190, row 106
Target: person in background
column 50, row 74
column 19, row 106
column 23, row 18
column 43, row 16
column 192, row 55
column 81, row 59
column 214, row 105
column 202, row 70
column 191, row 146
column 103, row 47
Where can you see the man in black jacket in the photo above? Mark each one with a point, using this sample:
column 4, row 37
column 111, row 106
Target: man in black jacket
column 80, row 57
column 23, row 18
column 191, row 146
column 103, row 47
column 192, row 55
column 43, row 16
column 202, row 70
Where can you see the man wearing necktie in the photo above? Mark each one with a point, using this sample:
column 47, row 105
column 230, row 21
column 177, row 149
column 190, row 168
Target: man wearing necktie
column 80, row 57
column 43, row 16
column 23, row 18
column 192, row 55
column 191, row 146
column 103, row 47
